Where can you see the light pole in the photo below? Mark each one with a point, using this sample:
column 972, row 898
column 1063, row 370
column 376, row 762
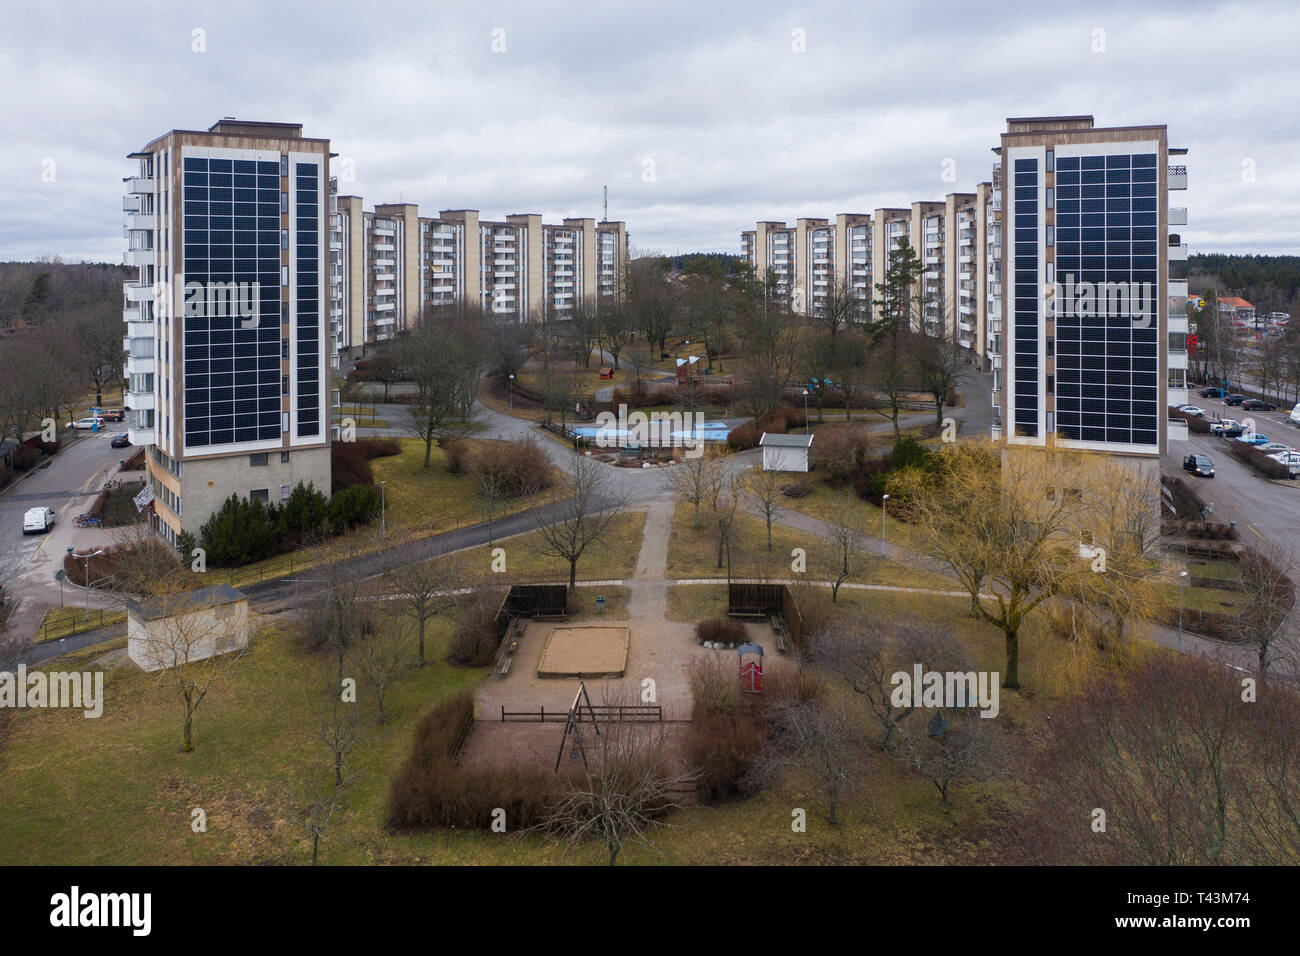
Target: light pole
column 383, row 510
column 806, row 424
column 884, row 503
column 1182, row 579
column 512, row 393
column 86, row 558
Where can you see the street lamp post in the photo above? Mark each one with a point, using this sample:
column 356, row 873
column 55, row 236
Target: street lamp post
column 884, row 503
column 383, row 510
column 1182, row 579
column 806, row 425
column 86, row 558
column 511, row 391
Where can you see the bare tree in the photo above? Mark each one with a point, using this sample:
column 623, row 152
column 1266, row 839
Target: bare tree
column 629, row 785
column 867, row 656
column 422, row 589
column 582, row 517
column 817, row 737
column 765, row 487
column 340, row 728
column 1267, row 620
column 381, row 656
column 849, row 540
column 945, row 749
column 695, row 480
column 193, row 650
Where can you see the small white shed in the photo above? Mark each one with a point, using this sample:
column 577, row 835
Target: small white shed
column 186, row 627
column 785, row 452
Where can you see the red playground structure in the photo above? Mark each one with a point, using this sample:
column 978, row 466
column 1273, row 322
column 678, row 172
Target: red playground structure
column 751, row 671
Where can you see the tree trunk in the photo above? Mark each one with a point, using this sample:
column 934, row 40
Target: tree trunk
column 419, row 658
column 1011, row 678
column 573, row 575
column 187, row 736
column 315, row 848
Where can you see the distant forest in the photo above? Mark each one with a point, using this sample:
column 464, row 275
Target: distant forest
column 1269, row 283
column 32, row 292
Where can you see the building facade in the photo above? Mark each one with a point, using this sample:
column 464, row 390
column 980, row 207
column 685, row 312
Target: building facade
column 226, row 321
column 390, row 265
column 1095, row 349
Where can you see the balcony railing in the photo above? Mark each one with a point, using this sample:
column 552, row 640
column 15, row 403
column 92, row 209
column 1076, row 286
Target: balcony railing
column 1177, row 177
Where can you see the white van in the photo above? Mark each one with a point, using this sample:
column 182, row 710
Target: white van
column 38, row 520
column 1294, row 417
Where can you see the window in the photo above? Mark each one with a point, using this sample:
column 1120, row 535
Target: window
column 1051, row 390
column 258, row 460
column 1051, row 236
column 284, row 165
column 1051, row 199
column 284, row 458
column 284, row 385
column 284, row 238
column 1051, row 165
column 284, row 348
column 259, row 494
column 1051, row 346
column 284, row 202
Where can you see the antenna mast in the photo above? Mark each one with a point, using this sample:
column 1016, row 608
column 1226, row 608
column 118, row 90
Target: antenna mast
column 606, row 188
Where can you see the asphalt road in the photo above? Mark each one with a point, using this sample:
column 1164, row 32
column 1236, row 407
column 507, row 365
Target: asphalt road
column 1265, row 511
column 73, row 477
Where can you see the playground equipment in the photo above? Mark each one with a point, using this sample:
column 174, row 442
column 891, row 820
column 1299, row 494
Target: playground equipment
column 751, row 671
column 571, row 726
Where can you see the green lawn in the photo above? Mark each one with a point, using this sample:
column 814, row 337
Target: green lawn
column 68, row 620
column 693, row 553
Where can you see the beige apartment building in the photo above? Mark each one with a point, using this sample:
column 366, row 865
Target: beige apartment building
column 389, row 265
column 226, row 343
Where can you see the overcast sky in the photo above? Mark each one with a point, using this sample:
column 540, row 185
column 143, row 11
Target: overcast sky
column 700, row 117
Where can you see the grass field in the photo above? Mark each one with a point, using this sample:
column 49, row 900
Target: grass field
column 68, row 620
column 693, row 553
column 116, row 790
column 612, row 555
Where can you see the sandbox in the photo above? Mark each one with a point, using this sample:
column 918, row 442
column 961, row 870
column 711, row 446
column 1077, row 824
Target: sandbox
column 594, row 651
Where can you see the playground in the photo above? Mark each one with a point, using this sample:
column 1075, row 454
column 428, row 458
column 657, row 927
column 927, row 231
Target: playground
column 585, row 651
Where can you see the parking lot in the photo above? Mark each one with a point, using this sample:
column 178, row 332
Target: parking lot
column 1264, row 510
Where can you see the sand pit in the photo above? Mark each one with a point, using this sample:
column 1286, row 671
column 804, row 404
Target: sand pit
column 584, row 652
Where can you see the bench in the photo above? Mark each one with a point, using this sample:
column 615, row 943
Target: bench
column 741, row 611
column 778, row 629
column 511, row 645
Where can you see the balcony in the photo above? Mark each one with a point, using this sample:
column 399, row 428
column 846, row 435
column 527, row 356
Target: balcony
column 139, row 185
column 1177, row 323
column 140, row 400
column 1177, row 177
column 1177, row 252
column 1177, row 427
column 140, row 365
column 140, row 220
column 1177, row 359
column 138, row 257
column 138, row 291
column 1177, row 215
column 140, row 330
column 1177, row 395
column 140, row 436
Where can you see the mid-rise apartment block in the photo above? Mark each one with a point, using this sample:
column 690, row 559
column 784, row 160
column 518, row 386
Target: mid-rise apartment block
column 390, row 265
column 226, row 320
column 1096, row 326
column 814, row 259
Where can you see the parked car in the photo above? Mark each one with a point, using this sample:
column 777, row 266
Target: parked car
column 1212, row 392
column 1194, row 410
column 38, row 520
column 1274, row 447
column 1227, row 428
column 114, row 415
column 1256, row 439
column 1258, row 405
column 1290, row 459
column 88, row 424
column 120, row 441
column 1234, row 399
column 1199, row 465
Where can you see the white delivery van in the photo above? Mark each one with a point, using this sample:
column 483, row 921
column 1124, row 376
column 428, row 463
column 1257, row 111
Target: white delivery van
column 38, row 520
column 1295, row 415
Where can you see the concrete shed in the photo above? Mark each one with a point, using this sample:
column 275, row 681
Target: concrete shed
column 785, row 452
column 186, row 627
